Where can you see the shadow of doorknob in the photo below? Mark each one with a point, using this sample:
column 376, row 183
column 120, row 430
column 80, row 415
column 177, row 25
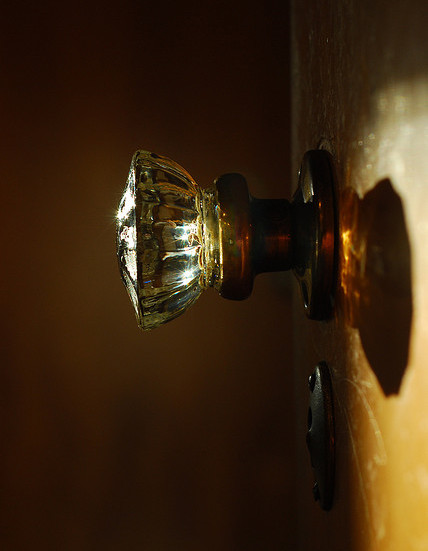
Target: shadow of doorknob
column 175, row 239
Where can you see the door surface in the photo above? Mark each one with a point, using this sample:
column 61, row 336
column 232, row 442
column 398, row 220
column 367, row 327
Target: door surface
column 360, row 88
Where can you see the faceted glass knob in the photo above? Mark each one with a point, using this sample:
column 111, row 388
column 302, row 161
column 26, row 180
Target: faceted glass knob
column 174, row 239
column 167, row 239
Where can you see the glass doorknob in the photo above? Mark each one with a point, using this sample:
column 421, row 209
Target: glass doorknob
column 175, row 239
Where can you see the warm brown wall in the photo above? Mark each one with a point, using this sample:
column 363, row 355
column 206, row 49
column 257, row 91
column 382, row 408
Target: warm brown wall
column 180, row 439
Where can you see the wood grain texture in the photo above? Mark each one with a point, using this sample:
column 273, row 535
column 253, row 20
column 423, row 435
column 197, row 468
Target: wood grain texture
column 360, row 88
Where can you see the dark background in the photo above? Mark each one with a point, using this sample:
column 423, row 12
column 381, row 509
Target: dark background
column 179, row 439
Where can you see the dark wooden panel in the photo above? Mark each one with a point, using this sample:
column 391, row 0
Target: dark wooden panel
column 113, row 439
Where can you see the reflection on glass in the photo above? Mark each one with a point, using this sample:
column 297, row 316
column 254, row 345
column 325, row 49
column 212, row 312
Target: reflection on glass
column 167, row 239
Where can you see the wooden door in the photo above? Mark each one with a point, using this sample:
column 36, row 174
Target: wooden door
column 360, row 89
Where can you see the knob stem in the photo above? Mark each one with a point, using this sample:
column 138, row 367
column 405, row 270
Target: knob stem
column 255, row 236
column 262, row 235
column 271, row 222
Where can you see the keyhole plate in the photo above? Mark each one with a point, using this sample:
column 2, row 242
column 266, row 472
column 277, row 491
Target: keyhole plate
column 320, row 437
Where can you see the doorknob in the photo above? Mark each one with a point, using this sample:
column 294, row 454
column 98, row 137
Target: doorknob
column 175, row 239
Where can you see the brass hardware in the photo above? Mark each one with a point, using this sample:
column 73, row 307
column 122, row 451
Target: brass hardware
column 174, row 239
